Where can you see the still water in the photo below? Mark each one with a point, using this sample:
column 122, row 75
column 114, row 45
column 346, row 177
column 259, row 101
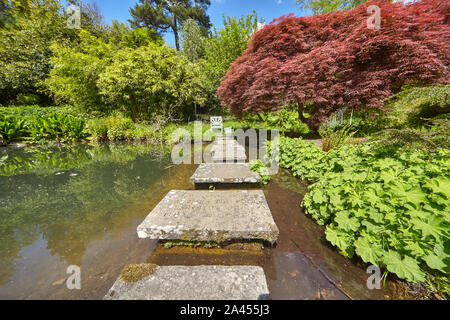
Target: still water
column 80, row 205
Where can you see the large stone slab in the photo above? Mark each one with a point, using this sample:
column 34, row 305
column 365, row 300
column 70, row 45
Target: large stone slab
column 228, row 138
column 222, row 142
column 226, row 173
column 195, row 283
column 215, row 216
column 229, row 155
column 228, row 151
column 228, row 148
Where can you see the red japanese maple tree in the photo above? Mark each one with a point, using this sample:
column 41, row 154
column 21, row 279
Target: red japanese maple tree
column 335, row 60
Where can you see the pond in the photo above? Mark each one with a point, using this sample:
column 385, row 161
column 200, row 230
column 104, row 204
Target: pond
column 77, row 205
column 80, row 205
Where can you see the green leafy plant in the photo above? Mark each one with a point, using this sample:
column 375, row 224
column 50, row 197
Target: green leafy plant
column 27, row 99
column 98, row 129
column 261, row 169
column 337, row 139
column 287, row 122
column 59, row 127
column 118, row 127
column 432, row 136
column 11, row 128
column 388, row 208
column 414, row 105
column 152, row 80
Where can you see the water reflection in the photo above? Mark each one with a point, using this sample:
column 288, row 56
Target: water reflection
column 64, row 198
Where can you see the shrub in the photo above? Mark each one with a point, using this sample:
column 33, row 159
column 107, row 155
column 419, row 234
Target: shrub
column 118, row 126
column 142, row 132
column 29, row 113
column 414, row 105
column 304, row 158
column 390, row 211
column 432, row 136
column 287, row 122
column 98, row 129
column 27, row 99
column 115, row 127
column 152, row 80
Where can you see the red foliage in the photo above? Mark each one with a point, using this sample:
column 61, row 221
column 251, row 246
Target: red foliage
column 334, row 59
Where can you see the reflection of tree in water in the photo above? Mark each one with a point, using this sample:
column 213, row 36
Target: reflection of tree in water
column 71, row 212
column 43, row 160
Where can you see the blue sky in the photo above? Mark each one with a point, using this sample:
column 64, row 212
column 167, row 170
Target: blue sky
column 267, row 9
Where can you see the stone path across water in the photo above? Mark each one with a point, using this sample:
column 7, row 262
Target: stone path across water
column 212, row 216
column 226, row 173
column 228, row 150
column 195, row 283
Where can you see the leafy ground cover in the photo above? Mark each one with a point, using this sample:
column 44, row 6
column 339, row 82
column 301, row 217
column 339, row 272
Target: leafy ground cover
column 390, row 207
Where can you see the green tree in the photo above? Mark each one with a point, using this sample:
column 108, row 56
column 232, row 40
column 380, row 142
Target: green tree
column 116, row 32
column 24, row 47
column 121, row 35
column 140, row 37
column 192, row 40
column 152, row 80
column 325, row 6
column 73, row 78
column 164, row 15
column 9, row 9
column 6, row 17
column 224, row 46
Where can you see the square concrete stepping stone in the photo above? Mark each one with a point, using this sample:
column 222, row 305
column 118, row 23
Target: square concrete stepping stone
column 229, row 156
column 213, row 216
column 195, row 283
column 209, row 173
column 230, row 137
column 228, row 148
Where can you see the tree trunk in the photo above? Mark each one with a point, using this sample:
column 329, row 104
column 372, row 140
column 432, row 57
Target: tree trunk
column 300, row 113
column 175, row 32
column 259, row 116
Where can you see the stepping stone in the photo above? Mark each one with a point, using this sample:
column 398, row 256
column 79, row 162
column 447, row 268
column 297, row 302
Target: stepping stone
column 229, row 155
column 211, row 216
column 209, row 173
column 195, row 283
column 219, row 138
column 228, row 148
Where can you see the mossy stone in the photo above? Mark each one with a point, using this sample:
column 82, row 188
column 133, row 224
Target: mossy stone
column 136, row 272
